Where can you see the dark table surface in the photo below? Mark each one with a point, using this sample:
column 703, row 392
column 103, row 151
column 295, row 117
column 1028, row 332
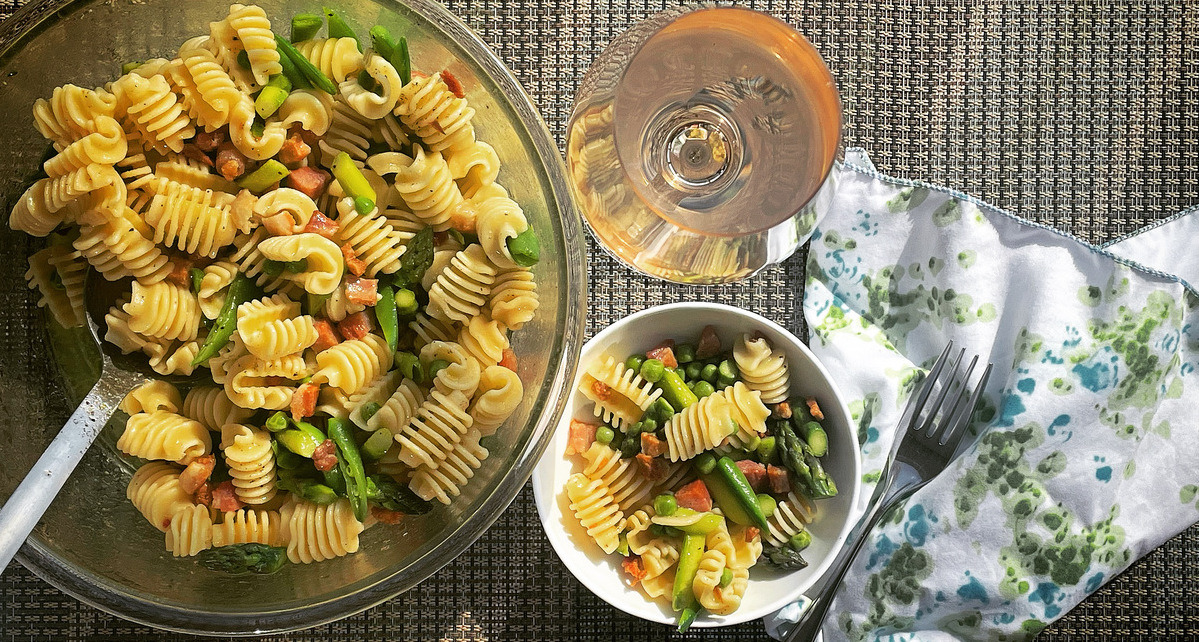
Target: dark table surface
column 1077, row 114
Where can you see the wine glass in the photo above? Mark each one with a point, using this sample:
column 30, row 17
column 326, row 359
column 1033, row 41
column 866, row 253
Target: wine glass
column 702, row 143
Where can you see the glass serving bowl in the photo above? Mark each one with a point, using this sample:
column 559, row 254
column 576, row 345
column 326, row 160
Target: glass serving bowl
column 92, row 543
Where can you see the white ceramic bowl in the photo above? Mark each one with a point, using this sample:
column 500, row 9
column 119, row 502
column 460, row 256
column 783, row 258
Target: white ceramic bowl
column 768, row 589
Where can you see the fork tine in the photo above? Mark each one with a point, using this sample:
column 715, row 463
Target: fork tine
column 928, row 425
column 954, row 406
column 912, row 412
column 956, row 430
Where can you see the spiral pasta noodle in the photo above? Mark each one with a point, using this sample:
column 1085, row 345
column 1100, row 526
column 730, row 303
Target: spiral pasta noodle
column 249, row 525
column 337, row 58
column 623, row 481
column 500, row 392
column 58, row 277
column 348, row 132
column 106, row 145
column 350, row 365
column 497, row 220
column 316, row 533
column 272, row 327
column 155, row 492
column 398, row 409
column 428, row 189
column 619, row 394
column 210, row 406
column 440, row 423
column 378, row 103
column 461, row 290
column 193, row 220
column 251, row 462
column 595, row 510
column 254, row 31
column 71, row 113
column 373, row 240
column 513, row 301
column 699, row 427
column 764, row 369
column 462, row 373
column 293, row 204
column 248, row 257
column 445, row 479
column 441, row 120
column 791, row 517
column 124, row 247
column 164, row 435
column 190, row 532
column 748, row 412
column 249, row 382
column 711, row 595
column 185, row 171
column 164, row 310
column 150, row 397
column 475, row 168
column 484, row 339
column 428, row 329
column 254, row 145
column 155, row 111
column 325, row 264
column 311, row 110
column 209, row 93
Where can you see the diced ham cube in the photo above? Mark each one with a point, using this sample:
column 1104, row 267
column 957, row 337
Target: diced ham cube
column 354, row 264
column 209, row 141
column 814, row 408
column 509, row 359
column 780, row 482
column 355, row 326
column 196, row 473
column 362, row 291
column 279, row 224
column 182, row 274
column 325, row 456
column 323, row 225
column 294, row 150
column 224, row 498
column 230, row 162
column 326, row 336
column 582, row 435
column 755, row 473
column 309, row 180
column 709, row 343
column 452, row 83
column 752, row 533
column 782, row 410
column 665, row 354
column 601, row 390
column 303, row 400
column 634, row 568
column 310, row 139
column 694, row 496
column 386, row 516
column 652, row 446
column 203, row 494
column 195, row 153
column 654, row 468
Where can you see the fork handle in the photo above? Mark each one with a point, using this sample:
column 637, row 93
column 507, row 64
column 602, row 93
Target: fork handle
column 812, row 619
column 20, row 514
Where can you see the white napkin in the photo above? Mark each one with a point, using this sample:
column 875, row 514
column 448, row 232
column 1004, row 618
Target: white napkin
column 1086, row 454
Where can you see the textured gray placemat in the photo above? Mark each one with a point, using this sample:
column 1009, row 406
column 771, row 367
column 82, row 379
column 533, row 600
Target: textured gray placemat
column 1080, row 115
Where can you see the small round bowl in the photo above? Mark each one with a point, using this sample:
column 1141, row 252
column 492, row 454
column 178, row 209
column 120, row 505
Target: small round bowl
column 92, row 543
column 769, row 589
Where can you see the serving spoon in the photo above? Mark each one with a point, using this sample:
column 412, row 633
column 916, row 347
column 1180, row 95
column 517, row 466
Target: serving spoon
column 119, row 375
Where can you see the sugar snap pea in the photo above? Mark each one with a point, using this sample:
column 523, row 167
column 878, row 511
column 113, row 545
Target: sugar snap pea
column 241, row 290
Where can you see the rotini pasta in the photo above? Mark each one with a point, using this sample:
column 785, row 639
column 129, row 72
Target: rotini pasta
column 58, row 277
column 398, row 409
column 164, row 310
column 445, row 479
column 763, row 368
column 155, row 111
column 254, row 31
column 462, row 373
column 123, row 247
column 595, row 510
column 461, row 290
column 155, row 492
column 248, row 526
column 311, row 110
column 292, row 208
column 441, row 120
column 272, row 327
column 193, row 220
column 210, row 406
column 499, row 219
column 513, row 301
column 190, row 532
column 164, row 435
column 337, row 58
column 373, row 240
column 325, row 265
column 440, row 423
column 748, row 412
column 484, row 339
column 253, row 383
column 213, row 285
column 152, row 396
column 316, row 533
column 500, row 392
column 350, row 365
column 209, row 92
column 428, row 189
column 699, row 427
column 251, row 462
column 378, row 102
column 619, row 394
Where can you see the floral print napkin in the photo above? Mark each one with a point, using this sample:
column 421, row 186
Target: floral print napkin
column 1085, row 455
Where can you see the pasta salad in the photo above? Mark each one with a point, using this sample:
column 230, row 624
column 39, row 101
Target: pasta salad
column 309, row 229
column 699, row 463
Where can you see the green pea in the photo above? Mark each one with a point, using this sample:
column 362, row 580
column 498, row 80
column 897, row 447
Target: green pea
column 722, row 382
column 693, row 370
column 369, row 409
column 604, row 435
column 705, row 463
column 652, row 370
column 728, row 370
column 800, row 540
column 680, row 372
column 276, row 422
column 709, row 373
column 684, row 353
column 617, row 439
column 436, row 366
column 665, row 505
column 726, row 577
column 634, row 362
column 767, row 504
column 648, row 425
column 703, row 389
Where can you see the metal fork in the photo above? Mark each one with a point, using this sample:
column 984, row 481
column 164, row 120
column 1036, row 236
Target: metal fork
column 929, row 442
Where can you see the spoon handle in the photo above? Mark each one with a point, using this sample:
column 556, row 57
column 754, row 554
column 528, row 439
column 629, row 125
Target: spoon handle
column 31, row 499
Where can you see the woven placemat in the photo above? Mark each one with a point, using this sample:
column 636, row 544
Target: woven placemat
column 1078, row 115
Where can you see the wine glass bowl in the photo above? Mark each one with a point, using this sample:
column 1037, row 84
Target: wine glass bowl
column 702, row 141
